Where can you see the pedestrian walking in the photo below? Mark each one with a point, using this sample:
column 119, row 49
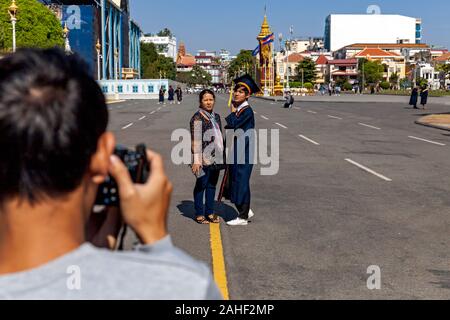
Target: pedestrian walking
column 206, row 166
column 171, row 95
column 179, row 94
column 162, row 92
column 414, row 97
column 236, row 182
column 424, row 96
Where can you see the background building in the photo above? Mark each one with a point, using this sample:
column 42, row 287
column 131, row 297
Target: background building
column 345, row 29
column 167, row 46
column 210, row 62
column 185, row 62
column 108, row 23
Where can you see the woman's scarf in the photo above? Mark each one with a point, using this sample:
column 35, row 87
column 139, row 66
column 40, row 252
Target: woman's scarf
column 218, row 137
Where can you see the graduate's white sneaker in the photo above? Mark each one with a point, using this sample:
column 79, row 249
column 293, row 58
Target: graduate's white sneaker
column 251, row 214
column 237, row 222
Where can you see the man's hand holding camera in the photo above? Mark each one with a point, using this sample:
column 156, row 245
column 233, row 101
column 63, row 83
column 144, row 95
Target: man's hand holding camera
column 144, row 206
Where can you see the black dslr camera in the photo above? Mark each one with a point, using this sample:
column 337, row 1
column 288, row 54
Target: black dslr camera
column 138, row 167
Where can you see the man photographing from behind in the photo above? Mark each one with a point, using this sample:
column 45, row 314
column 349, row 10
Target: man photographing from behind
column 55, row 152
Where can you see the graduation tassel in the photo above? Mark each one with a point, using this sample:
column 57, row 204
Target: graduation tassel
column 230, row 100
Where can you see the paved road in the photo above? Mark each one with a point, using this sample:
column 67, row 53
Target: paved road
column 358, row 185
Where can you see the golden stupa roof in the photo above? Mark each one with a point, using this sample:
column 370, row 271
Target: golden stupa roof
column 265, row 29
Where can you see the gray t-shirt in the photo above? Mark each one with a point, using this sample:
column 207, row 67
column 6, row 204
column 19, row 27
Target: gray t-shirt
column 158, row 272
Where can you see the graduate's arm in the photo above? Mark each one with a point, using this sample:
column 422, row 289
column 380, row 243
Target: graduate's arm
column 235, row 122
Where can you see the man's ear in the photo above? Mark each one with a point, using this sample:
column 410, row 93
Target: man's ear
column 100, row 161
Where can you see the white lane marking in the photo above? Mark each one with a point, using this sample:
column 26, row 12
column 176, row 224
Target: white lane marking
column 334, row 117
column 142, row 118
column 297, row 108
column 159, row 108
column 312, row 112
column 127, row 126
column 368, row 170
column 369, row 126
column 307, row 139
column 152, row 112
column 429, row 141
column 279, row 124
column 265, row 118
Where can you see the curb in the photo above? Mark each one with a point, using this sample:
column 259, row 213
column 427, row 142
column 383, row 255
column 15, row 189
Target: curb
column 430, row 125
column 114, row 101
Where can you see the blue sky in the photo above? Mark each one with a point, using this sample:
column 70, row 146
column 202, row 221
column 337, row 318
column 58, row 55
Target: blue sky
column 234, row 24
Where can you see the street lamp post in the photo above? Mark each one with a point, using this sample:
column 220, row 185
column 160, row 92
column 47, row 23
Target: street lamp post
column 98, row 47
column 13, row 8
column 116, row 56
column 291, row 32
column 363, row 78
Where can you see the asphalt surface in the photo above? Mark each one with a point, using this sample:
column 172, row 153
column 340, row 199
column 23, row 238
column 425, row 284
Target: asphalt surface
column 364, row 186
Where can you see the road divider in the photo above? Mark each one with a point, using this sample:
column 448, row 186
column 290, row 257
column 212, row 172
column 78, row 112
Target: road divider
column 369, row 126
column 368, row 170
column 127, row 126
column 279, row 124
column 425, row 140
column 309, row 140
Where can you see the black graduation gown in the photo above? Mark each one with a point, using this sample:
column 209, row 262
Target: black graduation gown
column 424, row 97
column 236, row 184
column 414, row 97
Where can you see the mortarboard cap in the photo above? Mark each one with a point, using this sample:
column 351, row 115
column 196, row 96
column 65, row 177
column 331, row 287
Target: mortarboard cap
column 248, row 82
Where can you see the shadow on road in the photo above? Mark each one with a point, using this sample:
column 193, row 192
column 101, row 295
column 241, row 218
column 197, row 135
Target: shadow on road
column 443, row 278
column 226, row 212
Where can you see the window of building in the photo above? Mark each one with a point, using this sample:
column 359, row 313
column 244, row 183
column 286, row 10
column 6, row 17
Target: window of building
column 135, row 89
column 105, row 89
column 120, row 89
column 151, row 89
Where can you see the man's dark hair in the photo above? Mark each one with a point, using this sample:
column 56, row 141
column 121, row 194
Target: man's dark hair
column 52, row 113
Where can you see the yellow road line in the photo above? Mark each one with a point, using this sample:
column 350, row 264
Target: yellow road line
column 218, row 261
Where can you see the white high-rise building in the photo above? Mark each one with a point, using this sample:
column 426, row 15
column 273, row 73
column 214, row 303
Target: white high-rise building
column 166, row 46
column 345, row 29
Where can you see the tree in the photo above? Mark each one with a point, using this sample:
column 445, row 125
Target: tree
column 393, row 79
column 244, row 62
column 186, row 77
column 200, row 76
column 385, row 85
column 421, row 82
column 154, row 65
column 309, row 73
column 373, row 71
column 405, row 83
column 36, row 26
column 444, row 72
column 165, row 33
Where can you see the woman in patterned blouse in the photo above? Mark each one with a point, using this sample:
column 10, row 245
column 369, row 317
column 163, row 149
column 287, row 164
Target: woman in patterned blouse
column 207, row 156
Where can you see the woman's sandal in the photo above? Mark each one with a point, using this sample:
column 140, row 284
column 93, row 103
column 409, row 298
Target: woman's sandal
column 214, row 218
column 201, row 220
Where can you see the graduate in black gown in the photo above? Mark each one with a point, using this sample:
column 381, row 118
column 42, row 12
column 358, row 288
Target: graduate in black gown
column 236, row 184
